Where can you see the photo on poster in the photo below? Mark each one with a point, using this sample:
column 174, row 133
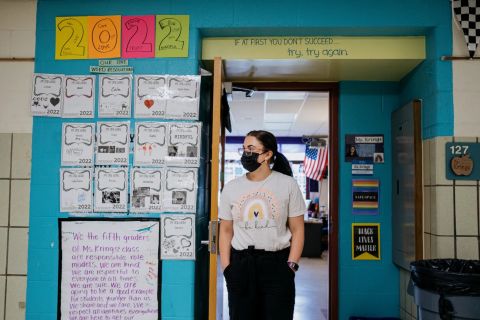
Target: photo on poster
column 76, row 190
column 150, row 96
column 78, row 141
column 177, row 237
column 183, row 144
column 47, row 95
column 115, row 93
column 113, row 143
column 183, row 97
column 150, row 143
column 180, row 191
column 146, row 190
column 110, row 268
column 363, row 146
column 79, row 100
column 111, row 189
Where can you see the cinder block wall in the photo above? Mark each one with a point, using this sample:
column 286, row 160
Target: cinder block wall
column 17, row 40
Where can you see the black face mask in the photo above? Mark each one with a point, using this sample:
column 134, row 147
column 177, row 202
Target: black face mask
column 250, row 162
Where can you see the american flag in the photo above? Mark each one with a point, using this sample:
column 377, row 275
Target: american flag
column 315, row 162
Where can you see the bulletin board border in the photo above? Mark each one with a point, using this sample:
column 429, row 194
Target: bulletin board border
column 159, row 271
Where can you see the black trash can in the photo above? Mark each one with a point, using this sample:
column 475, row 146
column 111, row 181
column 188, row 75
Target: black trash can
column 446, row 289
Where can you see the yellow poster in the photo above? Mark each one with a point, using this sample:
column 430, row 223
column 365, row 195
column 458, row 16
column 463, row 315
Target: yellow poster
column 171, row 36
column 71, row 34
column 104, row 37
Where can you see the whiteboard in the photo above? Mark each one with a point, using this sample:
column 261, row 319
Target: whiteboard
column 109, row 269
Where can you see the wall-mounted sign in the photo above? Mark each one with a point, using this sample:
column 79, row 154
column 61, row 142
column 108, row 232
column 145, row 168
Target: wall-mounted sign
column 78, row 141
column 462, row 160
column 365, row 241
column 109, row 269
column 365, row 196
column 364, row 147
column 79, row 100
column 113, row 143
column 76, row 190
column 362, row 167
column 111, row 190
column 47, row 95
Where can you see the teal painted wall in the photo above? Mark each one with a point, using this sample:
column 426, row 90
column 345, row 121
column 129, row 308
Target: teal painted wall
column 360, row 291
column 367, row 288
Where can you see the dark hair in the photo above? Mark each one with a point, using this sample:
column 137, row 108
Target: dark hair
column 269, row 142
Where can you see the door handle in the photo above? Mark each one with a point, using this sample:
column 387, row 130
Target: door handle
column 212, row 241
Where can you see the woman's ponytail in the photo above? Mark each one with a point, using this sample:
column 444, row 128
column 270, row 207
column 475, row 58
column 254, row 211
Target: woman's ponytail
column 281, row 164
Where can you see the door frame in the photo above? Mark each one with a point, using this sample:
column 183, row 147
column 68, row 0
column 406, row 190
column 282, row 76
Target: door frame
column 333, row 172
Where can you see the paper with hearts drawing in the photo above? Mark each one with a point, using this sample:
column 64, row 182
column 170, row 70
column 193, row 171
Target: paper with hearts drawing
column 150, row 99
column 183, row 144
column 111, row 189
column 113, row 143
column 177, row 237
column 79, row 98
column 180, row 191
column 146, row 190
column 47, row 95
column 78, row 144
column 76, row 190
column 183, row 97
column 115, row 93
column 150, row 144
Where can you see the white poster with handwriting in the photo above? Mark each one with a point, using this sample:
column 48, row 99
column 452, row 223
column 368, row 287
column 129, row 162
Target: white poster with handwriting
column 47, row 95
column 177, row 237
column 180, row 191
column 115, row 96
column 79, row 100
column 113, row 143
column 78, row 142
column 76, row 190
column 109, row 269
column 111, row 189
column 150, row 96
column 150, row 143
column 184, row 144
column 146, row 190
column 183, row 97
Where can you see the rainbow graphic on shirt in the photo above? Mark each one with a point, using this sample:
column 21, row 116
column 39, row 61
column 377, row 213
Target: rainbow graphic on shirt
column 365, row 196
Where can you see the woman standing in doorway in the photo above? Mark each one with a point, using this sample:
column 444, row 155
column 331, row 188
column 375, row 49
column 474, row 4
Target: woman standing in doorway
column 261, row 233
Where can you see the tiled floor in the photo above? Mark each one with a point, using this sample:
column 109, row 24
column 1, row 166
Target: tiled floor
column 311, row 302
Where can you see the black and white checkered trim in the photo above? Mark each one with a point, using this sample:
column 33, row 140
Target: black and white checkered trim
column 467, row 13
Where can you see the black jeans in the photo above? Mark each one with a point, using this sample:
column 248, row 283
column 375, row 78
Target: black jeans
column 260, row 285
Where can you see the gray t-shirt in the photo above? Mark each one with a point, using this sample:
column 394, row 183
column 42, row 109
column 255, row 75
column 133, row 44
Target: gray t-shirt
column 259, row 210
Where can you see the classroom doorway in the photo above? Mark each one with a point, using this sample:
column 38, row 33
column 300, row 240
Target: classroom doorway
column 303, row 116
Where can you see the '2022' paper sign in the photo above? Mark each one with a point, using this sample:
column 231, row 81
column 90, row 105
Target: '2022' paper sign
column 76, row 190
column 111, row 194
column 115, row 96
column 150, row 143
column 78, row 144
column 178, row 237
column 113, row 143
column 79, row 98
column 47, row 95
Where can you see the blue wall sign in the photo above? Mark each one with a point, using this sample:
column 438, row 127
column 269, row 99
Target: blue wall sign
column 462, row 160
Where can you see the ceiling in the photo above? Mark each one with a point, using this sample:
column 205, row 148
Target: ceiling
column 284, row 113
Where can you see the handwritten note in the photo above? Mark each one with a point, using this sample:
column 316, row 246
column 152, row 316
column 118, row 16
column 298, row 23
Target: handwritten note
column 111, row 190
column 76, row 190
column 150, row 143
column 79, row 100
column 115, row 96
column 138, row 36
column 47, row 95
column 146, row 190
column 150, row 93
column 109, row 269
column 180, row 191
column 71, row 38
column 113, row 145
column 172, row 35
column 178, row 237
column 104, row 41
column 184, row 144
column 78, row 144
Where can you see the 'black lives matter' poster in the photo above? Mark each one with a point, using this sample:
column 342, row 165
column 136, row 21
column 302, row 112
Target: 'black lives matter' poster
column 365, row 241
